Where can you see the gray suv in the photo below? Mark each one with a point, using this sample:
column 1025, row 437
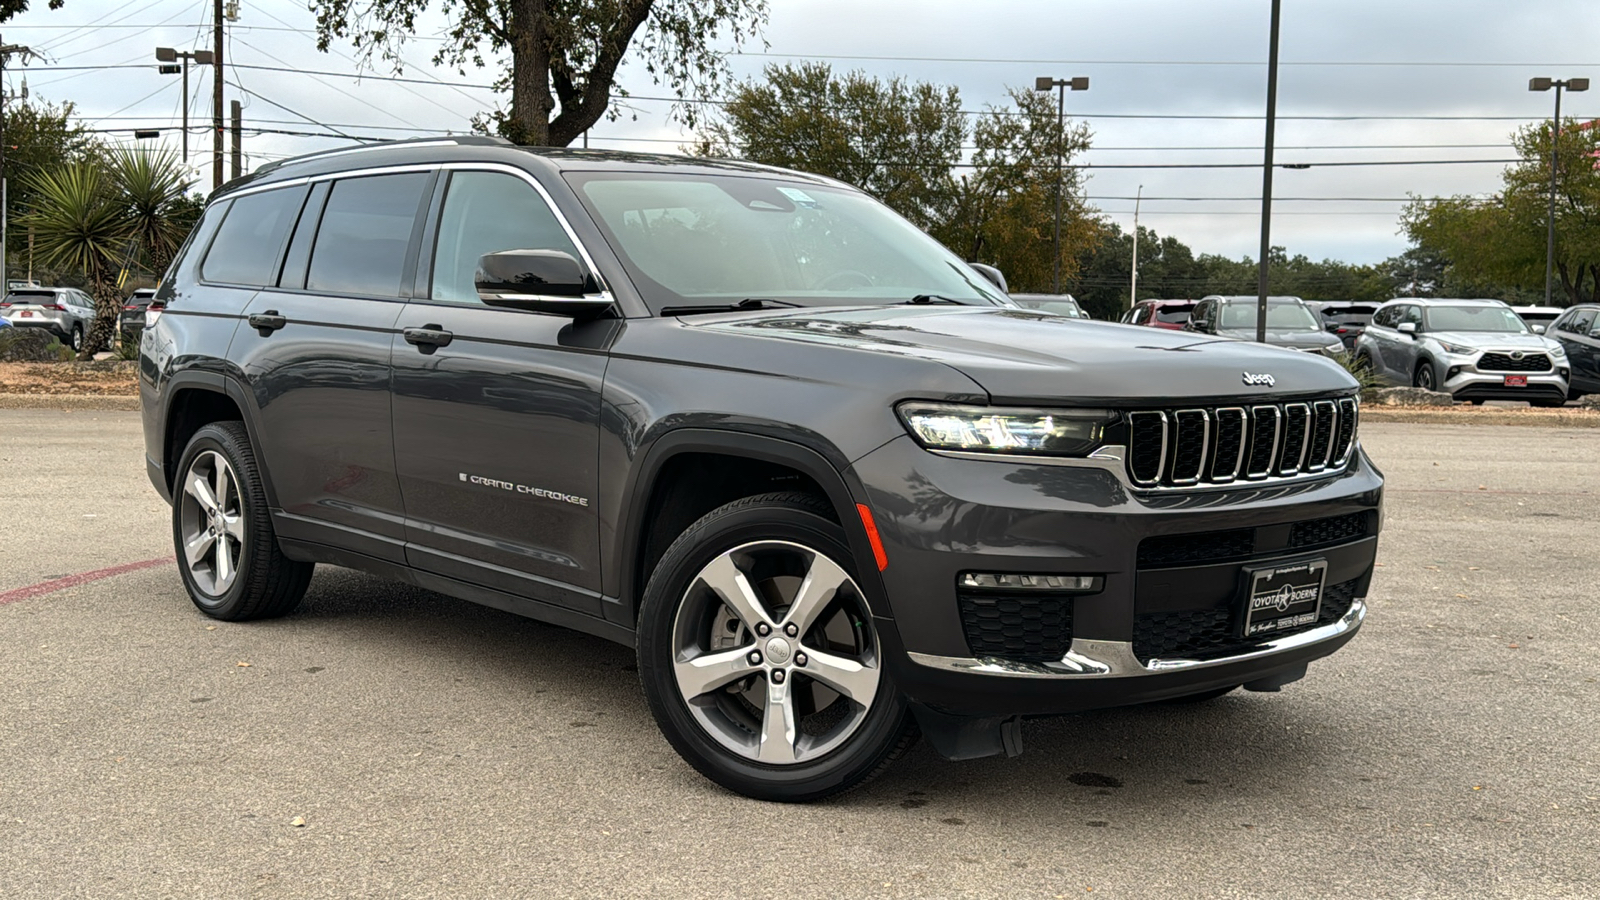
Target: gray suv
column 1475, row 350
column 66, row 313
column 815, row 469
column 1290, row 323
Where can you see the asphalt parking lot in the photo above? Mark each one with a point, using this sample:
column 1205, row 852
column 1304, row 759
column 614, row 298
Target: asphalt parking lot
column 433, row 748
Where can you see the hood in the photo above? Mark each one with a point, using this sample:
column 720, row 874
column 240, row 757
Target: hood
column 1021, row 356
column 1492, row 341
column 1296, row 339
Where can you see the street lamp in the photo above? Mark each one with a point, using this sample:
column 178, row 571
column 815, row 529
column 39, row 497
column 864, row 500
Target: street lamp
column 170, row 55
column 1545, row 84
column 1045, row 84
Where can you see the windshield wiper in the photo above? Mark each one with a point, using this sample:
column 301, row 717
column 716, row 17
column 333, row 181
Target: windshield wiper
column 935, row 298
column 742, row 305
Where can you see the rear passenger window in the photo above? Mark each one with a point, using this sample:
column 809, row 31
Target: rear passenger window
column 246, row 249
column 365, row 231
column 486, row 212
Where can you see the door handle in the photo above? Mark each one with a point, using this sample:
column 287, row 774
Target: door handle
column 428, row 338
column 268, row 322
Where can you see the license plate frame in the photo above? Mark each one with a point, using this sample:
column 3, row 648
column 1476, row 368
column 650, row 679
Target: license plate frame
column 1281, row 597
column 1515, row 381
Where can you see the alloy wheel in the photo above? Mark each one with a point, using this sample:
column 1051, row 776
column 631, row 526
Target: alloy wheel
column 774, row 652
column 211, row 523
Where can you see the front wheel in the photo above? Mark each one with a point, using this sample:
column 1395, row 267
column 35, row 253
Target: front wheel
column 759, row 656
column 1424, row 377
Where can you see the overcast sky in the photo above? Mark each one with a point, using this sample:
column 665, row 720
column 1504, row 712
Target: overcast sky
column 1444, row 72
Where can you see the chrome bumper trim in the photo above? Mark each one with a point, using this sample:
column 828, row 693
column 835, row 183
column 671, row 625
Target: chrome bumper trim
column 1115, row 659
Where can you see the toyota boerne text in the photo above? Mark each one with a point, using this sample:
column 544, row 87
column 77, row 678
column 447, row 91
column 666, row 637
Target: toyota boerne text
column 829, row 481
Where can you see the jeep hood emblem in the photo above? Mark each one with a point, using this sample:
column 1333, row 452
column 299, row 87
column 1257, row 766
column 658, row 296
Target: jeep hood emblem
column 1262, row 379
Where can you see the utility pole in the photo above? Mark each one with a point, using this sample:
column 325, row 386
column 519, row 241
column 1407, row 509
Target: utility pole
column 1266, row 180
column 216, row 97
column 1133, row 284
column 238, row 137
column 5, row 201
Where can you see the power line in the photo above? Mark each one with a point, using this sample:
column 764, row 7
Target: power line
column 1352, row 63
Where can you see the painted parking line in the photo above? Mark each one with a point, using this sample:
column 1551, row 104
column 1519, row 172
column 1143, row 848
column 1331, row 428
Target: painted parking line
column 61, row 584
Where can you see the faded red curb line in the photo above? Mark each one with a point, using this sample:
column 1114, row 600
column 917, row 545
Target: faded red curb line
column 61, row 584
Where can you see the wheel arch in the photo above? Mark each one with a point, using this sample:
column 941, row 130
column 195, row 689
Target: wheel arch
column 648, row 523
column 193, row 400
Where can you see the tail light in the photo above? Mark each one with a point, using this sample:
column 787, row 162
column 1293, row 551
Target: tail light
column 129, row 308
column 153, row 312
column 55, row 306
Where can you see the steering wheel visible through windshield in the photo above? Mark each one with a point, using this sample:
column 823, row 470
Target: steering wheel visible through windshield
column 692, row 239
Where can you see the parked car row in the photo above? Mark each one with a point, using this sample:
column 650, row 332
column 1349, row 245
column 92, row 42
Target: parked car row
column 67, row 313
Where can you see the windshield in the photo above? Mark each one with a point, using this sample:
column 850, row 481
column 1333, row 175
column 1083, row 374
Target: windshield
column 1060, row 307
column 1280, row 317
column 689, row 239
column 1475, row 318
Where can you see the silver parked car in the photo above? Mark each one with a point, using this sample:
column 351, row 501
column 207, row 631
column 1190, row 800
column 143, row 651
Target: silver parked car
column 1475, row 350
column 1290, row 323
column 65, row 312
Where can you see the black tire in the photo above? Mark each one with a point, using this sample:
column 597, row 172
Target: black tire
column 76, row 339
column 265, row 584
column 882, row 730
column 1364, row 361
column 1423, row 377
column 1202, row 697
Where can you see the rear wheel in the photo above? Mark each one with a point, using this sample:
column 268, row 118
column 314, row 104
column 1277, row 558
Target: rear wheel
column 227, row 552
column 759, row 656
column 76, row 339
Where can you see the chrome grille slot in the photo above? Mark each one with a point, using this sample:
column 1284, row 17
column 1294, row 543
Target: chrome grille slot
column 1296, row 428
column 1147, row 446
column 1324, row 415
column 1344, row 436
column 1197, row 447
column 1227, row 457
column 1192, row 432
column 1265, row 424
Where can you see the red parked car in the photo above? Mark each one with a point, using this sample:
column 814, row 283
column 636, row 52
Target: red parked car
column 1168, row 314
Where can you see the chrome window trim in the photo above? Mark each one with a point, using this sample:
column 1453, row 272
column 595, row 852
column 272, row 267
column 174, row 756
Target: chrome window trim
column 1115, row 659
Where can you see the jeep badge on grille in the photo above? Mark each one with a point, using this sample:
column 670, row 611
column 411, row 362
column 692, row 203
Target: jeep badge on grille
column 1262, row 379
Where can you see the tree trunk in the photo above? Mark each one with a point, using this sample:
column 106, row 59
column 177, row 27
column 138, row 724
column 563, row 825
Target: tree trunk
column 107, row 304
column 531, row 101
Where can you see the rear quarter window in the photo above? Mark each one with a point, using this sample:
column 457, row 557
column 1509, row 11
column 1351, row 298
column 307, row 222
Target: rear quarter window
column 247, row 246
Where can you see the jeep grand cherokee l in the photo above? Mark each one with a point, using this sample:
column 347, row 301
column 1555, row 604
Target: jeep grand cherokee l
column 811, row 465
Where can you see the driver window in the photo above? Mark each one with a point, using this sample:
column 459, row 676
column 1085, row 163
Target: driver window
column 1582, row 321
column 486, row 212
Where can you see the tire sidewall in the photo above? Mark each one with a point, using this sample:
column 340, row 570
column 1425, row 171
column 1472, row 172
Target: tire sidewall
column 219, row 439
column 1425, row 372
column 721, row 530
column 76, row 338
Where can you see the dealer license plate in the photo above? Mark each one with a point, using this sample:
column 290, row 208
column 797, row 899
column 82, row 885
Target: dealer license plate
column 1516, row 381
column 1284, row 597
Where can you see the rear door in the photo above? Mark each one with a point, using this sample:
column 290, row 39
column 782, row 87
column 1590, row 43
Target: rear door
column 1580, row 337
column 316, row 348
column 497, row 430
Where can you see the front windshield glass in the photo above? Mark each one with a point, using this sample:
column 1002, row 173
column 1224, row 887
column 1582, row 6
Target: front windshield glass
column 1280, row 317
column 1496, row 319
column 1059, row 307
column 690, row 239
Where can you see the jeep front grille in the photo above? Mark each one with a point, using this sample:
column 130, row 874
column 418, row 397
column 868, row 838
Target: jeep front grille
column 1197, row 446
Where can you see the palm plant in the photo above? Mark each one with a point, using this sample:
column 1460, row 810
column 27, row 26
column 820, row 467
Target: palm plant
column 81, row 224
column 152, row 185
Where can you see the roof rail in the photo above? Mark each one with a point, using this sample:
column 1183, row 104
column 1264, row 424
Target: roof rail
column 451, row 140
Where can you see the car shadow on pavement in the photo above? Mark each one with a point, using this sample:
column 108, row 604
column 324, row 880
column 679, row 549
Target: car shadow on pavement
column 1134, row 762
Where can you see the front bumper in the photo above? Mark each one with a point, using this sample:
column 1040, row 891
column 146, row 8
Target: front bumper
column 940, row 517
column 1461, row 378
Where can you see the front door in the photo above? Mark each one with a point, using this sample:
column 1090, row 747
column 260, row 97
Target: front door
column 496, row 411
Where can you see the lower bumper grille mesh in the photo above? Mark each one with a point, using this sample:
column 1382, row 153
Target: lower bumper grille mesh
column 1210, row 633
column 1026, row 626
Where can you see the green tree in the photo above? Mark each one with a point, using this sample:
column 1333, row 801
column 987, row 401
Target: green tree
column 10, row 9
column 564, row 53
column 153, row 188
column 1497, row 245
column 80, row 223
column 39, row 136
column 897, row 141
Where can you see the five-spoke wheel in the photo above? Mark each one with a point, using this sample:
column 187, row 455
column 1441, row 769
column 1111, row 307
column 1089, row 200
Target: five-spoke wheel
column 210, row 524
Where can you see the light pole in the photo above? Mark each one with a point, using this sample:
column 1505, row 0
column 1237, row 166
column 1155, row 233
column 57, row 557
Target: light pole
column 1133, row 283
column 1545, row 84
column 1044, row 84
column 1266, row 179
column 170, row 55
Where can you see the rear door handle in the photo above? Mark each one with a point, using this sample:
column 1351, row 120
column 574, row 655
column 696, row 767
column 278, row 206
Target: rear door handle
column 428, row 338
column 267, row 322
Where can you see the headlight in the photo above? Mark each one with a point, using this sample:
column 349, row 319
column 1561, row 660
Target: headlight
column 1557, row 351
column 1052, row 432
column 1459, row 349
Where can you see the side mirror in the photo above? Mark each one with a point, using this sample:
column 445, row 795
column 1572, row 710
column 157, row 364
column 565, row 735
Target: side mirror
column 1538, row 329
column 993, row 274
column 1409, row 328
column 549, row 281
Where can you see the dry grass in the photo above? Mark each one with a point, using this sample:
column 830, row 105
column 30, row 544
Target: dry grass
column 110, row 378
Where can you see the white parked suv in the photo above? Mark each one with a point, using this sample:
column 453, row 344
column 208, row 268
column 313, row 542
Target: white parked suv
column 66, row 312
column 1475, row 350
